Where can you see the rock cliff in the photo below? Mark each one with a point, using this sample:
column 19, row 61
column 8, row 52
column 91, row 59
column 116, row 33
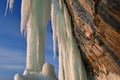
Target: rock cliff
column 96, row 27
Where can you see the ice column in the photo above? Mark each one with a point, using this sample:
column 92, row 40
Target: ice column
column 34, row 17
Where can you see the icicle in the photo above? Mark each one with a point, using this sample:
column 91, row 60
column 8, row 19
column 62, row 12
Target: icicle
column 60, row 4
column 25, row 13
column 34, row 18
column 9, row 5
column 53, row 16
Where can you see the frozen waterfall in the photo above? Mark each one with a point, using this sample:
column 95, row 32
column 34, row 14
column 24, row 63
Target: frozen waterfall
column 34, row 17
column 70, row 63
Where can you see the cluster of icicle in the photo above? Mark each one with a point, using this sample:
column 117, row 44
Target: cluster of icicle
column 70, row 63
column 34, row 17
column 9, row 5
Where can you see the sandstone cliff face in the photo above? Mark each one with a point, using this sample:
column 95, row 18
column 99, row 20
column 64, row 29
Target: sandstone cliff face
column 96, row 26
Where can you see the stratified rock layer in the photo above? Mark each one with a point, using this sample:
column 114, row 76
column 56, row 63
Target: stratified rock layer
column 96, row 26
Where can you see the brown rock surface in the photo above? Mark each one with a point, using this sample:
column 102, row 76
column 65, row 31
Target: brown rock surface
column 96, row 26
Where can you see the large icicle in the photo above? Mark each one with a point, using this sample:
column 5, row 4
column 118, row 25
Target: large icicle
column 34, row 18
column 35, row 15
column 70, row 63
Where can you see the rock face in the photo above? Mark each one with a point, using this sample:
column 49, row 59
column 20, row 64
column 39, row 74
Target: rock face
column 96, row 26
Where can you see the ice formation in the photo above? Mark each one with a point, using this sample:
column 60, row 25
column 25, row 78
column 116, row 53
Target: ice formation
column 9, row 5
column 47, row 73
column 70, row 63
column 34, row 17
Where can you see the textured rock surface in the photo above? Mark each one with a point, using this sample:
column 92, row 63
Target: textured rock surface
column 96, row 26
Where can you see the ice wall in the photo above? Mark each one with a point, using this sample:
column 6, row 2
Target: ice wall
column 70, row 62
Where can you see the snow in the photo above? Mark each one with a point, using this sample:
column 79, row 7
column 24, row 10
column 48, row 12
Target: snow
column 47, row 73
